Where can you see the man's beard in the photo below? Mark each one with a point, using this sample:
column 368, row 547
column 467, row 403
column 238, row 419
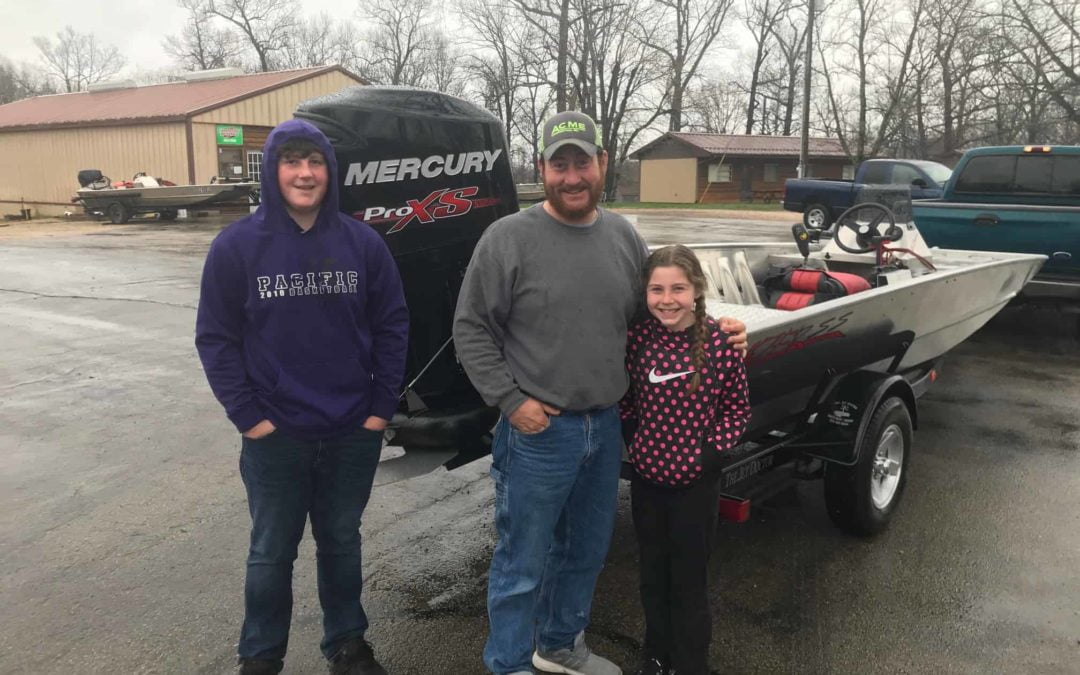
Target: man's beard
column 555, row 200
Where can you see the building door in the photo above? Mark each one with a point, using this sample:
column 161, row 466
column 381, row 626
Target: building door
column 230, row 163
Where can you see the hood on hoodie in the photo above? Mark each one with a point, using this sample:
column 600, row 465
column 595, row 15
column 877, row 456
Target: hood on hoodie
column 271, row 203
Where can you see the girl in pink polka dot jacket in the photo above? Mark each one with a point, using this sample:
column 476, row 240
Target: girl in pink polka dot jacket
column 688, row 402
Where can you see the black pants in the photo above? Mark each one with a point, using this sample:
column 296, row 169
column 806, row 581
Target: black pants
column 675, row 531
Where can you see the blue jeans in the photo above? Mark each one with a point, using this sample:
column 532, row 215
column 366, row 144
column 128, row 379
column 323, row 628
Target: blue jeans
column 288, row 480
column 555, row 497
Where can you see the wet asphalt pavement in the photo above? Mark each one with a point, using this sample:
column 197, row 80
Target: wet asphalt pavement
column 123, row 522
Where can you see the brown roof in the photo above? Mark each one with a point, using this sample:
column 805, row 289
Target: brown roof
column 701, row 145
column 153, row 103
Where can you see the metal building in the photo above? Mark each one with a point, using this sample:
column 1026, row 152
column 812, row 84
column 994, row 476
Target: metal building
column 210, row 125
column 700, row 168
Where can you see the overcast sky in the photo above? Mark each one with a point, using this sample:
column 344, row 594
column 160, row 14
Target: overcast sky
column 136, row 27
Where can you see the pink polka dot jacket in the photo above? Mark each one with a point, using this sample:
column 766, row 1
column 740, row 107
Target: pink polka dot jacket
column 677, row 429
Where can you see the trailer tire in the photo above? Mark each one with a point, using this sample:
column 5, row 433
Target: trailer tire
column 861, row 499
column 168, row 214
column 118, row 213
column 817, row 216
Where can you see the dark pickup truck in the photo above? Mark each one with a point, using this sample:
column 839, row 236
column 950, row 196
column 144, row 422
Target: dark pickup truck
column 1021, row 199
column 821, row 200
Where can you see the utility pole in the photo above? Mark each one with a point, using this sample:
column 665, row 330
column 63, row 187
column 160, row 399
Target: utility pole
column 804, row 145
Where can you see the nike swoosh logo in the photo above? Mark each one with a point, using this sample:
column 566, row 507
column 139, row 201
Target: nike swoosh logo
column 656, row 378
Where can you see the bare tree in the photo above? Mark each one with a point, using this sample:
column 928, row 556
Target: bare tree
column 78, row 60
column 19, row 81
column 697, row 24
column 864, row 49
column 200, row 45
column 446, row 71
column 613, row 67
column 1025, row 108
column 322, row 40
column 404, row 44
column 553, row 19
column 533, row 105
column 267, row 25
column 772, row 98
column 505, row 46
column 11, row 88
column 1053, row 26
column 957, row 40
column 398, row 39
column 761, row 18
column 917, row 119
column 715, row 106
column 790, row 37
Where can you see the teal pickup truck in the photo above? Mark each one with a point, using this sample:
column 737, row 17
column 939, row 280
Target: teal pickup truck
column 1022, row 199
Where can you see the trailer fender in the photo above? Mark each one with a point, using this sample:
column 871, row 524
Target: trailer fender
column 845, row 414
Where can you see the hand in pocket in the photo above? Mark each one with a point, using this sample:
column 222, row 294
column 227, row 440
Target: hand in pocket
column 260, row 430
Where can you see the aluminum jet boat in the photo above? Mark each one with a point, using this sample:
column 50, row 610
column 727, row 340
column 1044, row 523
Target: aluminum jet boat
column 844, row 339
column 146, row 194
column 845, row 335
column 914, row 305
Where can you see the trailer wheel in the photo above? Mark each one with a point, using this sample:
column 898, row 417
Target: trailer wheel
column 168, row 214
column 817, row 217
column 118, row 213
column 861, row 499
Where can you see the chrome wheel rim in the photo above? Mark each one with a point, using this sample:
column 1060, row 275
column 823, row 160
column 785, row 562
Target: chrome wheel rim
column 815, row 218
column 888, row 463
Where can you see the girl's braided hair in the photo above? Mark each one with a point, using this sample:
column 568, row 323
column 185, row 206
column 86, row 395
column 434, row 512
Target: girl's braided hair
column 683, row 258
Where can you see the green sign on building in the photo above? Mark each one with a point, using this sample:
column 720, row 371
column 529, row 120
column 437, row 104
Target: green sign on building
column 228, row 134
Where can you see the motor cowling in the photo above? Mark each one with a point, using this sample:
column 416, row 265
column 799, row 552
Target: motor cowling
column 430, row 172
column 87, row 177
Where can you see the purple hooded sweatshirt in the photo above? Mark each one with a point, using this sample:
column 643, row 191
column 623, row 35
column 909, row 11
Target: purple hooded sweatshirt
column 306, row 329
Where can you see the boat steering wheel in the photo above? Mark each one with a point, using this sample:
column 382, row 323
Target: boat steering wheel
column 868, row 236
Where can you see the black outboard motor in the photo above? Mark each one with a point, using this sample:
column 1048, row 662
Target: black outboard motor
column 92, row 178
column 430, row 172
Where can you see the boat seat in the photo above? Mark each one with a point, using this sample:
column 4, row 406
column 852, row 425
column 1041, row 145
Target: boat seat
column 794, row 288
column 731, row 278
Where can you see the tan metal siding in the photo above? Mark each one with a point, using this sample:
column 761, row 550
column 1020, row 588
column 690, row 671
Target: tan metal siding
column 41, row 166
column 668, row 180
column 204, row 146
column 669, row 148
column 274, row 107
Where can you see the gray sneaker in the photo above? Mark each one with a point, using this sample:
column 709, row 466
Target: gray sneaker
column 576, row 661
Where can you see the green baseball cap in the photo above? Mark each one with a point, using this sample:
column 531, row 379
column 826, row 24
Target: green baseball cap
column 569, row 128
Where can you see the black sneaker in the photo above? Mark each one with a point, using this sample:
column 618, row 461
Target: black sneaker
column 355, row 658
column 651, row 667
column 259, row 667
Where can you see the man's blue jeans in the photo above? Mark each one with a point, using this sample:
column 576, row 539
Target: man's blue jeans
column 555, row 497
column 288, row 480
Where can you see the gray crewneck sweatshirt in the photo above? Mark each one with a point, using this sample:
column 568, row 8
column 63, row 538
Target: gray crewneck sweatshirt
column 544, row 308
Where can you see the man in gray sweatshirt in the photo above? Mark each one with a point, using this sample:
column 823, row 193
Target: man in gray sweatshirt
column 541, row 331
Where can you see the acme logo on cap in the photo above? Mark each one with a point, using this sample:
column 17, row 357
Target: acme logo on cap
column 567, row 126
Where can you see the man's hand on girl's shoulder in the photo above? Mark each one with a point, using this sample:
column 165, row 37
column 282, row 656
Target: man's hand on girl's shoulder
column 737, row 333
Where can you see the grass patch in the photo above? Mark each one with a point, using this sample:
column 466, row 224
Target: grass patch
column 726, row 206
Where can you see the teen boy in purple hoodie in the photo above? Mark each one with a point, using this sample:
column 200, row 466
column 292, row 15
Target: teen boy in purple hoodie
column 302, row 331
